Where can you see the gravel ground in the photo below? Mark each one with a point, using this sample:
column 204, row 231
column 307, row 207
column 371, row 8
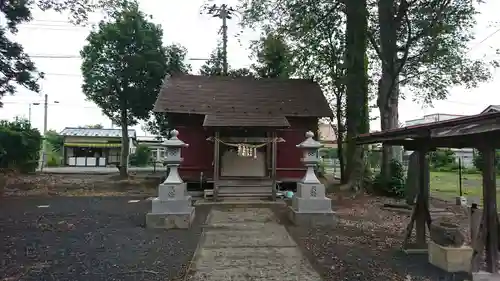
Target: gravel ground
column 90, row 238
column 365, row 245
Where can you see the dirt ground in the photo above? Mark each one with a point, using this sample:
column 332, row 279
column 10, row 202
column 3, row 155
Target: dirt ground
column 80, row 185
column 366, row 243
column 90, row 231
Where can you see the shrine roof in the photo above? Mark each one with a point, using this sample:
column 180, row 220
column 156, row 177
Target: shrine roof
column 204, row 95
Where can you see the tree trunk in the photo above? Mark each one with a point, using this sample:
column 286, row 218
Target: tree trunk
column 389, row 119
column 388, row 89
column 125, row 144
column 340, row 141
column 357, row 90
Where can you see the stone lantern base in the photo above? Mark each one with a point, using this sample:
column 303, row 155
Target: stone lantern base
column 171, row 209
column 170, row 220
column 310, row 209
column 310, row 218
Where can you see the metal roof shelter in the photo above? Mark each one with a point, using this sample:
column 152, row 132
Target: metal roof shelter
column 92, row 132
column 480, row 131
column 460, row 132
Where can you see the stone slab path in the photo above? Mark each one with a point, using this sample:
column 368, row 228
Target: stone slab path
column 248, row 244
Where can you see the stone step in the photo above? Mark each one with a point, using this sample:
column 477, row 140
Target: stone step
column 245, row 189
column 245, row 183
column 245, row 194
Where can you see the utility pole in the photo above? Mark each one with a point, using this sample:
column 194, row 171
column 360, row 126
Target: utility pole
column 29, row 112
column 223, row 12
column 43, row 153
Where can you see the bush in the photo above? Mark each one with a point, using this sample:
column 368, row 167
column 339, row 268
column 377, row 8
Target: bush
column 328, row 153
column 52, row 161
column 442, row 158
column 395, row 185
column 141, row 157
column 478, row 160
column 19, row 145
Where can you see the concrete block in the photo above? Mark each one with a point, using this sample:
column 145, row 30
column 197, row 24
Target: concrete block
column 170, row 220
column 312, row 219
column 485, row 276
column 450, row 259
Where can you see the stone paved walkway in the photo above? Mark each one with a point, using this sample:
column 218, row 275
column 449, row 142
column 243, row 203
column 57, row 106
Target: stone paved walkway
column 248, row 244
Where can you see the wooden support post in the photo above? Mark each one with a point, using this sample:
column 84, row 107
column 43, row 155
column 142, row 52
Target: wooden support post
column 478, row 245
column 423, row 199
column 216, row 165
column 490, row 208
column 273, row 164
column 421, row 215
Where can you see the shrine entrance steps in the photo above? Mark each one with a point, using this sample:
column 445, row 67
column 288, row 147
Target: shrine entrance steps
column 245, row 188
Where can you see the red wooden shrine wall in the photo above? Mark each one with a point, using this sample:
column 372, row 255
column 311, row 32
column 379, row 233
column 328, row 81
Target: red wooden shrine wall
column 198, row 157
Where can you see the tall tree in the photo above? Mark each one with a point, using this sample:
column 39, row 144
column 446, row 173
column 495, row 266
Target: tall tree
column 16, row 67
column 315, row 37
column 357, row 88
column 274, row 57
column 422, row 45
column 176, row 63
column 124, row 64
column 214, row 66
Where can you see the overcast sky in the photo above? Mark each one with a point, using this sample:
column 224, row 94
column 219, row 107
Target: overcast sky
column 50, row 35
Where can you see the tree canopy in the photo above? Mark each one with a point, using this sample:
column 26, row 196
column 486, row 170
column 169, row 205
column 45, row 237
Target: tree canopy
column 274, row 58
column 214, row 66
column 124, row 64
column 420, row 46
column 176, row 63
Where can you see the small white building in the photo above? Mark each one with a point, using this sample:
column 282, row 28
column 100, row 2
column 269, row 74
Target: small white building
column 88, row 147
column 154, row 145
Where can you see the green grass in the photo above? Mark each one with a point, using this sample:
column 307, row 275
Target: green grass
column 445, row 185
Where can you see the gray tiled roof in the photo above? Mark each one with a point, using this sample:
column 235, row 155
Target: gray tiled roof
column 88, row 132
column 206, row 95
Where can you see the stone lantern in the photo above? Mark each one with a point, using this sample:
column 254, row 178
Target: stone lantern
column 309, row 203
column 172, row 208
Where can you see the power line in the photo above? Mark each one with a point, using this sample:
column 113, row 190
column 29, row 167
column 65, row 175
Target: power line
column 47, row 56
column 54, row 56
column 27, row 103
column 486, row 38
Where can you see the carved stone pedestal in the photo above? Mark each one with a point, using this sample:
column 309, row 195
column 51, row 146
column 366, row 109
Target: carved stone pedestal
column 172, row 208
column 310, row 206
